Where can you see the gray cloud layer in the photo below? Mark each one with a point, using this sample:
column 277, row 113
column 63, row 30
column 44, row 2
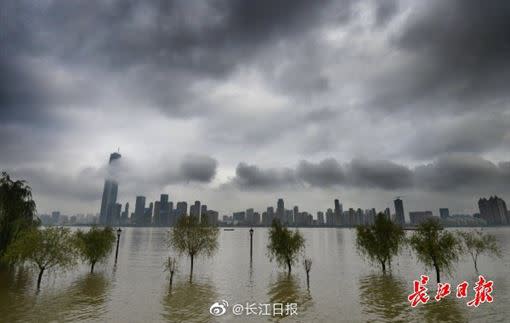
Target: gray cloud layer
column 406, row 94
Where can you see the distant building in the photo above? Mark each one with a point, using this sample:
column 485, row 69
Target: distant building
column 444, row 213
column 493, row 210
column 338, row 213
column 109, row 198
column 139, row 210
column 194, row 210
column 330, row 217
column 399, row 212
column 320, row 218
column 418, row 217
column 280, row 210
column 124, row 219
column 239, row 217
column 181, row 210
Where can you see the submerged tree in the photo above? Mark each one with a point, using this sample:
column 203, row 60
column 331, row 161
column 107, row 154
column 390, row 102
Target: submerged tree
column 193, row 238
column 435, row 247
column 476, row 243
column 17, row 210
column 307, row 263
column 284, row 245
column 171, row 267
column 381, row 241
column 46, row 249
column 94, row 245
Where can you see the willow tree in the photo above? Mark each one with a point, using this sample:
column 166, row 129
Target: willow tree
column 17, row 210
column 45, row 249
column 435, row 247
column 94, row 245
column 284, row 245
column 381, row 241
column 476, row 243
column 194, row 238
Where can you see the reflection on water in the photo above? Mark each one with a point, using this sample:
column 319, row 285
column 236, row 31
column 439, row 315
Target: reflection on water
column 185, row 302
column 343, row 286
column 287, row 289
column 83, row 300
column 383, row 298
column 446, row 310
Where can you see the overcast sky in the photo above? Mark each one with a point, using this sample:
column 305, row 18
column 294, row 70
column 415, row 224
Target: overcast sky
column 238, row 103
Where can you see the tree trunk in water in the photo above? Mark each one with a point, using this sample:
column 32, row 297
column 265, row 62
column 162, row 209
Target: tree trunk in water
column 191, row 270
column 39, row 278
column 383, row 265
column 92, row 267
column 289, row 266
column 476, row 265
column 171, row 278
column 437, row 274
column 308, row 279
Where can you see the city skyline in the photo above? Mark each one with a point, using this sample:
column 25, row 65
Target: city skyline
column 247, row 101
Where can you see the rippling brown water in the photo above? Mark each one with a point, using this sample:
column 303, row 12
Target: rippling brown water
column 343, row 288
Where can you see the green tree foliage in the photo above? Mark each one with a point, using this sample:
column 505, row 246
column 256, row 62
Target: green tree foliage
column 191, row 237
column 436, row 247
column 381, row 241
column 17, row 210
column 94, row 245
column 476, row 243
column 45, row 249
column 284, row 245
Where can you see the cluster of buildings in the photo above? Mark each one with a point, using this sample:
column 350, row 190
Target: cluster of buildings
column 56, row 218
column 493, row 211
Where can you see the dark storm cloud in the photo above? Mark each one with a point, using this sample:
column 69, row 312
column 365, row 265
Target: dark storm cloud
column 447, row 174
column 460, row 53
column 198, row 168
column 250, row 177
column 379, row 174
column 325, row 173
column 134, row 178
column 463, row 173
column 471, row 134
column 158, row 47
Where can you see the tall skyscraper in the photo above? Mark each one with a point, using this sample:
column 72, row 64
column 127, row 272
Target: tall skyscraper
column 164, row 211
column 139, row 210
column 399, row 212
column 338, row 213
column 125, row 215
column 194, row 209
column 280, row 210
column 493, row 210
column 444, row 213
column 109, row 199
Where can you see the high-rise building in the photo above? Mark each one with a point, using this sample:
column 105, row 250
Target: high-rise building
column 280, row 210
column 399, row 212
column 419, row 217
column 109, row 198
column 164, row 210
column 125, row 215
column 387, row 213
column 181, row 209
column 444, row 213
column 338, row 213
column 194, row 210
column 157, row 213
column 249, row 216
column 139, row 210
column 320, row 218
column 203, row 213
column 493, row 210
column 148, row 215
column 270, row 215
column 330, row 217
